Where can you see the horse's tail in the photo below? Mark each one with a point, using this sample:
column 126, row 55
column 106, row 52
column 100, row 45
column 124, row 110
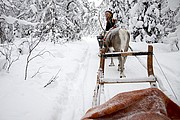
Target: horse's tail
column 124, row 36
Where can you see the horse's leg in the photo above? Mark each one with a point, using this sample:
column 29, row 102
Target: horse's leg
column 122, row 61
column 119, row 65
column 111, row 49
column 112, row 62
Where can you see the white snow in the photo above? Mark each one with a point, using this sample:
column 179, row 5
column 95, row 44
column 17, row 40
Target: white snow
column 74, row 66
column 70, row 95
column 34, row 9
column 173, row 4
column 11, row 20
column 97, row 2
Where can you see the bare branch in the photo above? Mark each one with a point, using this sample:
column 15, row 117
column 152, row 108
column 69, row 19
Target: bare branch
column 53, row 79
column 14, row 60
column 38, row 72
column 34, row 44
column 28, row 58
column 40, row 54
column 7, row 53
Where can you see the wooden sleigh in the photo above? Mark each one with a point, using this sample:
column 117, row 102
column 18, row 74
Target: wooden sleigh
column 133, row 105
column 151, row 79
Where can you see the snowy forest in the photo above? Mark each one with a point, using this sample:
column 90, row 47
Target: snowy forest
column 62, row 21
column 55, row 18
column 57, row 21
column 149, row 21
column 45, row 56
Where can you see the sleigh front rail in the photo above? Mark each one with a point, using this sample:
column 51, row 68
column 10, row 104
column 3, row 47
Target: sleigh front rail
column 101, row 80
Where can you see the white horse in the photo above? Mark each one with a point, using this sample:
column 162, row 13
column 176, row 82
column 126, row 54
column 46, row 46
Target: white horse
column 118, row 39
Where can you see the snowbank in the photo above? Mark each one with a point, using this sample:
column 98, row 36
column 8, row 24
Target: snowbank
column 29, row 100
column 74, row 68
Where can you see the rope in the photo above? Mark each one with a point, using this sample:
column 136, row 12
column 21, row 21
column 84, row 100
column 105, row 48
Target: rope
column 137, row 58
column 160, row 70
column 165, row 77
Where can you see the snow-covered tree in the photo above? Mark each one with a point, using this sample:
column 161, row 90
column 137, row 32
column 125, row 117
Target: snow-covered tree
column 152, row 20
column 90, row 18
column 120, row 8
column 148, row 20
column 60, row 20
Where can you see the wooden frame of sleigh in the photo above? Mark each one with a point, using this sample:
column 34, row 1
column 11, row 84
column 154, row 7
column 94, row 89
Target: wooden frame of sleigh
column 145, row 104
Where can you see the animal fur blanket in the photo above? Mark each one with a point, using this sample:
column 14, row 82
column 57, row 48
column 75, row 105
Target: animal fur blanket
column 146, row 104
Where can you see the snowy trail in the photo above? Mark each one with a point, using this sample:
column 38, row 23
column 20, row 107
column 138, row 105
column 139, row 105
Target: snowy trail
column 82, row 87
column 135, row 67
column 90, row 80
column 71, row 94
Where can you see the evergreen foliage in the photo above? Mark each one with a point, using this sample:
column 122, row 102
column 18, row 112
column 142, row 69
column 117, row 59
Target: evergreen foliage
column 148, row 20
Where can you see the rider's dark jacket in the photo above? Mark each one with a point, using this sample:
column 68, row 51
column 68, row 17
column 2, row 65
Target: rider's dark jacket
column 110, row 23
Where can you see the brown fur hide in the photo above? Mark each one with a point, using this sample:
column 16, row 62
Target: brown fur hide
column 146, row 104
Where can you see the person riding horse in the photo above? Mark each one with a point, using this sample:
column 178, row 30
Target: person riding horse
column 110, row 21
column 114, row 40
column 110, row 24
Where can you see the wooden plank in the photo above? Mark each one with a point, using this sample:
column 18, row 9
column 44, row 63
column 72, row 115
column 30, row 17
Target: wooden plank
column 150, row 61
column 102, row 61
column 127, row 80
column 117, row 54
